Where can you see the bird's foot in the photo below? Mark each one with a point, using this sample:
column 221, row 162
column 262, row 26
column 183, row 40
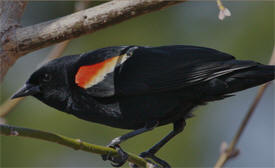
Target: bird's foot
column 117, row 161
column 150, row 155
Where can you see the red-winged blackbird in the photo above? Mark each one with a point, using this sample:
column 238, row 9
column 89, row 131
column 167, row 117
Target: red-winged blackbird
column 140, row 88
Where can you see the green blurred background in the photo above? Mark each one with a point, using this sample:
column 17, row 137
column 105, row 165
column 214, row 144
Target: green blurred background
column 247, row 34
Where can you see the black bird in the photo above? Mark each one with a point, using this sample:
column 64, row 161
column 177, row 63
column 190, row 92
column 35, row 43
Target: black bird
column 140, row 88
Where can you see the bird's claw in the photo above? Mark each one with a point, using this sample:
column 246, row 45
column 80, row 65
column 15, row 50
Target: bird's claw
column 117, row 161
column 150, row 155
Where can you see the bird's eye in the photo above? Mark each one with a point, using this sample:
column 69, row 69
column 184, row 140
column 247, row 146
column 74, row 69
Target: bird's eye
column 46, row 77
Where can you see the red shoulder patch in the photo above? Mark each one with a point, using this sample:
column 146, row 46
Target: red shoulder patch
column 89, row 75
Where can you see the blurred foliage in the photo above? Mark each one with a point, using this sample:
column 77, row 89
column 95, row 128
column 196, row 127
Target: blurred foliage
column 247, row 34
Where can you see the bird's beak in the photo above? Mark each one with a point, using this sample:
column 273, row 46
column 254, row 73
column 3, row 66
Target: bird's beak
column 26, row 90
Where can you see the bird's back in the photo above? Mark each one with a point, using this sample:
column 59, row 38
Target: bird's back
column 166, row 83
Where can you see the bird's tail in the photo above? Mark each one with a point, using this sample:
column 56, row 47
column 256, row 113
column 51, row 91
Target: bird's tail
column 250, row 77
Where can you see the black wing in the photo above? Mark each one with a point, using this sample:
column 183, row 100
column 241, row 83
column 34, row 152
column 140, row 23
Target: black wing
column 159, row 69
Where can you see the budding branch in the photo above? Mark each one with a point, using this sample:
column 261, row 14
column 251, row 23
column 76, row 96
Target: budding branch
column 76, row 144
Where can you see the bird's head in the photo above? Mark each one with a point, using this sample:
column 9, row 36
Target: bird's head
column 49, row 83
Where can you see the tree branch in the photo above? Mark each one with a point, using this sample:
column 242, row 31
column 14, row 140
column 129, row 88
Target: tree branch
column 231, row 151
column 76, row 144
column 21, row 41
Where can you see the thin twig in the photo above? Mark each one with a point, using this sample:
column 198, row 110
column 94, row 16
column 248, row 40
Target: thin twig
column 76, row 144
column 231, row 151
column 8, row 105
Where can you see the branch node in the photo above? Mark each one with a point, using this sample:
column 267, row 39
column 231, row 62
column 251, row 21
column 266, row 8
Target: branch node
column 233, row 153
column 230, row 152
column 14, row 133
column 80, row 144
